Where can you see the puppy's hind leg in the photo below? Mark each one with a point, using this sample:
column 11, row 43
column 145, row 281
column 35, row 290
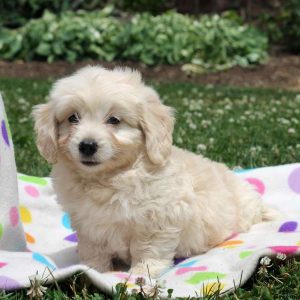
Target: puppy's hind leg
column 270, row 213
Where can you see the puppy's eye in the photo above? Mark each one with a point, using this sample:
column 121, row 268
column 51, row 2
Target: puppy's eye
column 113, row 120
column 74, row 119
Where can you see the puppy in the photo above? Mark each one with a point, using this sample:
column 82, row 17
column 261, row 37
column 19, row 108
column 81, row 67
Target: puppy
column 129, row 192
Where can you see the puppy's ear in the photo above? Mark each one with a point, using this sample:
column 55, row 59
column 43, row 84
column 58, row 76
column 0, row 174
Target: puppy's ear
column 157, row 123
column 45, row 127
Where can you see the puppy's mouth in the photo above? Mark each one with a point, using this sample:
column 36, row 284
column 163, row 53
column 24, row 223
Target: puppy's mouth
column 90, row 163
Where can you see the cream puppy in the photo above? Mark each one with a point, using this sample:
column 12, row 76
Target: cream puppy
column 129, row 192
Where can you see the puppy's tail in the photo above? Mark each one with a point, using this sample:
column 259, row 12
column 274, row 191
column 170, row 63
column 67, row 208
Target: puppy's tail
column 270, row 213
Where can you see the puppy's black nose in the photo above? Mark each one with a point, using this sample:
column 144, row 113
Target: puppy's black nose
column 88, row 147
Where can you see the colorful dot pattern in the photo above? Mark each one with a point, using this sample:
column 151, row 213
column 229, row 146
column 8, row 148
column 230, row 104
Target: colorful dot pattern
column 43, row 260
column 25, row 215
column 289, row 226
column 8, row 283
column 9, row 213
column 258, row 184
column 4, row 132
column 14, row 216
column 66, row 221
column 32, row 191
column 294, row 181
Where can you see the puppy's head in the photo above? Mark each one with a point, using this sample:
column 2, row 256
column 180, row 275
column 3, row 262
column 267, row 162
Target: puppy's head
column 100, row 118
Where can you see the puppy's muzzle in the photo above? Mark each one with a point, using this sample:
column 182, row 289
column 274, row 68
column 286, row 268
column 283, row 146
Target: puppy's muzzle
column 88, row 147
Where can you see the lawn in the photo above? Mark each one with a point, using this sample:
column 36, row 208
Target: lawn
column 243, row 128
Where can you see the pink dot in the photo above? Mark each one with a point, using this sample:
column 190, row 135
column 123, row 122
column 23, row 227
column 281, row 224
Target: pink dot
column 233, row 235
column 32, row 191
column 190, row 269
column 258, row 184
column 122, row 276
column 14, row 216
column 285, row 249
column 2, row 264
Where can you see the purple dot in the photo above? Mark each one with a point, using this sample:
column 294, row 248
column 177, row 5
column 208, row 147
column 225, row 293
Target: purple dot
column 288, row 226
column 294, row 181
column 178, row 260
column 72, row 238
column 7, row 283
column 4, row 132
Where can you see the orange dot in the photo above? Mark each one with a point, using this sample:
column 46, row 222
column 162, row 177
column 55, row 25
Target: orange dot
column 29, row 238
column 231, row 243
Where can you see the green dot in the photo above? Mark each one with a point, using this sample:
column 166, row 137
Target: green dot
column 1, row 230
column 245, row 254
column 202, row 276
column 33, row 179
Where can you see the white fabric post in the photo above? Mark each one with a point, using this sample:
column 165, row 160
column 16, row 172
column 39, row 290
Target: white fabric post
column 11, row 230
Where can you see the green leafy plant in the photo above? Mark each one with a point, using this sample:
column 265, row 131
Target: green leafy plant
column 225, row 43
column 283, row 25
column 71, row 36
column 209, row 43
column 15, row 13
column 289, row 22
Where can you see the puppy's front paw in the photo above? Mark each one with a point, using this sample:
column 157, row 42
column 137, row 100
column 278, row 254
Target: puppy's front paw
column 99, row 265
column 150, row 266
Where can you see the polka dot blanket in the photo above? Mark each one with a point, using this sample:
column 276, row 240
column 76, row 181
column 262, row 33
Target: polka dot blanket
column 36, row 236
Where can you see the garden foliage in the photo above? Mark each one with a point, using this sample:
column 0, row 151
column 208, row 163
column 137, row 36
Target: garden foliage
column 15, row 13
column 283, row 26
column 211, row 42
column 290, row 25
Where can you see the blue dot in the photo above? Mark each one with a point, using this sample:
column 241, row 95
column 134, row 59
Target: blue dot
column 187, row 264
column 243, row 170
column 66, row 221
column 41, row 259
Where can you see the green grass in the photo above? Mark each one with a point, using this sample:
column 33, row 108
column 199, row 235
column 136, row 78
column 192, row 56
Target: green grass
column 240, row 127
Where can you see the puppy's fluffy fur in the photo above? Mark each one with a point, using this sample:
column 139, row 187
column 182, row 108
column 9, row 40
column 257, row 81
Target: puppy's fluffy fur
column 137, row 197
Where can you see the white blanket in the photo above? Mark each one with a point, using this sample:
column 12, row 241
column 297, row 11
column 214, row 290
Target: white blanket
column 36, row 236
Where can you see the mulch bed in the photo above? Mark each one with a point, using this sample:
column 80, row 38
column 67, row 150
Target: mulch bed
column 281, row 71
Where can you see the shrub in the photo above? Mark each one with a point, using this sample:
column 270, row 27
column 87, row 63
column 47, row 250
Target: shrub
column 283, row 25
column 168, row 38
column 211, row 42
column 289, row 21
column 225, row 43
column 152, row 6
column 15, row 13
column 72, row 36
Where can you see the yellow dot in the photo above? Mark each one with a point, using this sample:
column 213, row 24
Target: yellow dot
column 25, row 215
column 212, row 288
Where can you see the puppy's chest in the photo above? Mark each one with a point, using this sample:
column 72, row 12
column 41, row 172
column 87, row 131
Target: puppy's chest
column 126, row 192
column 103, row 222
